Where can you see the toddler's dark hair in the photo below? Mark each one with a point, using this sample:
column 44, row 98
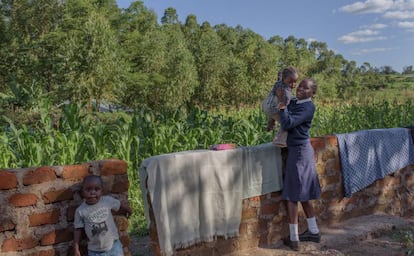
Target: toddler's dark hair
column 93, row 177
column 289, row 72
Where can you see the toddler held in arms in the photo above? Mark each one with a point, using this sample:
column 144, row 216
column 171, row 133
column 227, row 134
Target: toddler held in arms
column 285, row 85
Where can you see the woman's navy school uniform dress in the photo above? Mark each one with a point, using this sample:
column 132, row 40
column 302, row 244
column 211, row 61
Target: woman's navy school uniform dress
column 301, row 182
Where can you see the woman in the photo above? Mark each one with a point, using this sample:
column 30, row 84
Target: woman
column 301, row 183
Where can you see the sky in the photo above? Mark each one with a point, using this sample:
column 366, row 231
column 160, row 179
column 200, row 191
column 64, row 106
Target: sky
column 380, row 32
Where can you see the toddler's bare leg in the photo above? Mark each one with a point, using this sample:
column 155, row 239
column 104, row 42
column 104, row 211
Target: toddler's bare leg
column 280, row 138
column 270, row 124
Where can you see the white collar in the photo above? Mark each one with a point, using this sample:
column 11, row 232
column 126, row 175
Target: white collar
column 303, row 101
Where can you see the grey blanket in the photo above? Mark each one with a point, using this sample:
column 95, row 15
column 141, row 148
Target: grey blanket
column 369, row 155
column 197, row 195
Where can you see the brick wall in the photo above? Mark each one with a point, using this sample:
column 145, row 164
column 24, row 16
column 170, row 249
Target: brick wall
column 264, row 219
column 37, row 206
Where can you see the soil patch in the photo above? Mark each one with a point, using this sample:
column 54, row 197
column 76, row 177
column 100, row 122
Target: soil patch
column 377, row 234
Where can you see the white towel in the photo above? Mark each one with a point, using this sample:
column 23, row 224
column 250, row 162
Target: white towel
column 262, row 170
column 197, row 195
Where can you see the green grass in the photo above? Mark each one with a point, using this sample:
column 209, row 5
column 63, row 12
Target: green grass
column 406, row 237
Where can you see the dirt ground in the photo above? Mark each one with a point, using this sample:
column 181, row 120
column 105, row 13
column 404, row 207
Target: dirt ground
column 363, row 236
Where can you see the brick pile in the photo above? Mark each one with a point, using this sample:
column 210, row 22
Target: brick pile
column 37, row 206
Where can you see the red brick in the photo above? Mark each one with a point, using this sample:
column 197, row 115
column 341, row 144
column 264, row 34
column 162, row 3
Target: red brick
column 40, row 175
column 243, row 229
column 121, row 184
column 44, row 218
column 50, row 252
column 6, row 225
column 332, row 179
column 57, row 195
column 8, row 180
column 255, row 198
column 269, row 209
column 70, row 213
column 331, row 140
column 318, row 143
column 57, row 236
column 20, row 200
column 75, row 172
column 277, row 195
column 112, row 167
column 13, row 244
column 249, row 213
column 409, row 179
column 121, row 223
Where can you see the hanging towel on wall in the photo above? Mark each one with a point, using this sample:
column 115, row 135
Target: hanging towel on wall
column 369, row 155
column 197, row 195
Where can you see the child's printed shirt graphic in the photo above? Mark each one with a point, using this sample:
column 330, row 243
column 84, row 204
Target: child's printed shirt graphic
column 98, row 223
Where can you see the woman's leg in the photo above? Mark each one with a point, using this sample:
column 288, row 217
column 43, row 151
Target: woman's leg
column 293, row 220
column 293, row 240
column 308, row 209
column 312, row 234
column 293, row 212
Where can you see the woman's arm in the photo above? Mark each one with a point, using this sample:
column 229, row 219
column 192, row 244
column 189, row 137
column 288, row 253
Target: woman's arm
column 300, row 115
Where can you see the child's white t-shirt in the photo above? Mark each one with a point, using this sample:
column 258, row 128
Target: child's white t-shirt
column 98, row 222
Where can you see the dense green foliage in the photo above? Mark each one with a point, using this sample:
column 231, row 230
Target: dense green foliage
column 91, row 51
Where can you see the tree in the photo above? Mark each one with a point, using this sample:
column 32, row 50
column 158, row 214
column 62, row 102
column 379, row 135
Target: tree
column 170, row 16
column 289, row 55
column 387, row 70
column 92, row 54
column 350, row 83
column 408, row 70
column 28, row 51
column 211, row 62
column 163, row 74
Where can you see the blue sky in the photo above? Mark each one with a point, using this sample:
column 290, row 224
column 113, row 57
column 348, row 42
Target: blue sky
column 380, row 32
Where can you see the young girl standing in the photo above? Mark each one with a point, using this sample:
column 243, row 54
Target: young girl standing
column 301, row 182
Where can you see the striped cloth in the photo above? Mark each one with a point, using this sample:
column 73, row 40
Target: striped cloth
column 369, row 155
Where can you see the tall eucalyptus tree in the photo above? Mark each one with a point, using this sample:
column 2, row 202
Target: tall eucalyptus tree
column 91, row 53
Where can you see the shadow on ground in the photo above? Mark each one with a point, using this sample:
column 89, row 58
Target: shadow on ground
column 377, row 234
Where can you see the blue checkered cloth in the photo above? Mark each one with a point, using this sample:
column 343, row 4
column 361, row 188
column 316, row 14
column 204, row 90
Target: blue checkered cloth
column 369, row 155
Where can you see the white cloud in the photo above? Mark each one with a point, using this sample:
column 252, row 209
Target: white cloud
column 399, row 15
column 365, row 32
column 370, row 50
column 403, row 7
column 369, row 6
column 403, row 4
column 353, row 39
column 361, row 36
column 376, row 26
column 406, row 24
